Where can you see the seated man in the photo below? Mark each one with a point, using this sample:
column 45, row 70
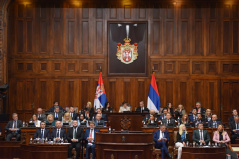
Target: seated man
column 142, row 108
column 161, row 138
column 199, row 108
column 74, row 136
column 214, row 122
column 193, row 117
column 234, row 126
column 201, row 136
column 72, row 113
column 40, row 115
column 58, row 133
column 98, row 121
column 42, row 133
column 199, row 120
column 234, row 114
column 57, row 114
column 123, row 108
column 90, row 140
column 55, row 103
column 103, row 116
column 163, row 116
column 152, row 122
column 13, row 128
column 168, row 121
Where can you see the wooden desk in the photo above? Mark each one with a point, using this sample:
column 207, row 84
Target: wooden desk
column 28, row 132
column 114, row 120
column 124, row 145
column 203, row 152
column 9, row 149
column 46, row 151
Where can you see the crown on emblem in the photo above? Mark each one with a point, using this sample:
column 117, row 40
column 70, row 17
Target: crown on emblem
column 127, row 40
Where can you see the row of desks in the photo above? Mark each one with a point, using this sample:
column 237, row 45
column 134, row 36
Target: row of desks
column 28, row 132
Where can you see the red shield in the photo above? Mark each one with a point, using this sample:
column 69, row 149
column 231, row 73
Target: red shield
column 127, row 55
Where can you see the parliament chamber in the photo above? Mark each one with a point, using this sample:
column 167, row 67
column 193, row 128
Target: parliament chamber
column 119, row 79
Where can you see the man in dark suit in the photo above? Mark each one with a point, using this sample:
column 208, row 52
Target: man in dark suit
column 55, row 103
column 168, row 121
column 199, row 120
column 193, row 117
column 42, row 133
column 161, row 138
column 74, row 136
column 234, row 114
column 199, row 108
column 58, row 133
column 90, row 140
column 142, row 108
column 103, row 116
column 40, row 115
column 98, row 121
column 72, row 113
column 200, row 135
column 163, row 116
column 147, row 116
column 57, row 114
column 234, row 126
column 13, row 128
column 214, row 122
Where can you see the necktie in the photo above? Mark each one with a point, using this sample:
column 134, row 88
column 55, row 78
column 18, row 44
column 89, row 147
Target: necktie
column 74, row 135
column 15, row 124
column 168, row 121
column 58, row 133
column 56, row 115
column 199, row 110
column 90, row 134
column 39, row 116
column 71, row 115
column 42, row 134
column 201, row 135
column 162, row 135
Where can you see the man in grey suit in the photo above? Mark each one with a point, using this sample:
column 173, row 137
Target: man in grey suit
column 13, row 128
column 40, row 115
column 57, row 114
column 200, row 135
column 168, row 121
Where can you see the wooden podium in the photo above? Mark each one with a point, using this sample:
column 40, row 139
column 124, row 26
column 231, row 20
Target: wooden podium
column 124, row 145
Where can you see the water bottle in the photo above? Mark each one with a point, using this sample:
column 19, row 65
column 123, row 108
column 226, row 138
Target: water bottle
column 109, row 129
column 228, row 156
column 61, row 139
column 54, row 140
column 200, row 144
column 46, row 140
column 23, row 124
column 31, row 140
column 209, row 144
column 187, row 143
column 78, row 118
column 62, row 118
column 215, row 144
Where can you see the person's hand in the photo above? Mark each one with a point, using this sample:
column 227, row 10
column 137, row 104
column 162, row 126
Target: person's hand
column 159, row 139
column 202, row 141
column 57, row 139
column 165, row 139
column 74, row 140
column 142, row 122
column 184, row 144
column 84, row 120
column 0, row 133
column 234, row 130
column 222, row 141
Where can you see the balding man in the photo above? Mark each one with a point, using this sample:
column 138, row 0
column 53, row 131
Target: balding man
column 98, row 121
column 214, row 122
column 199, row 108
column 40, row 115
column 58, row 133
column 142, row 108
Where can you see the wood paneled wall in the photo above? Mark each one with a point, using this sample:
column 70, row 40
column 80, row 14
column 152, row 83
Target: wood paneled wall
column 57, row 49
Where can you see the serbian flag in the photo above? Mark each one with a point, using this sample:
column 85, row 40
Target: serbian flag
column 153, row 97
column 100, row 95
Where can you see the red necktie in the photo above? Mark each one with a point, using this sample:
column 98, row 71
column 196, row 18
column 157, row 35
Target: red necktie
column 199, row 110
column 90, row 135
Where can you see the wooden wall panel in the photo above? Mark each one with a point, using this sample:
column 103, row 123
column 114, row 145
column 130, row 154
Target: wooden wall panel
column 56, row 51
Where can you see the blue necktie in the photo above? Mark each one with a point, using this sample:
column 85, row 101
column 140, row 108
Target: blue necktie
column 42, row 135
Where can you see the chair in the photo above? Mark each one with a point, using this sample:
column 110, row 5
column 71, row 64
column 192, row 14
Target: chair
column 156, row 153
column 12, row 139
